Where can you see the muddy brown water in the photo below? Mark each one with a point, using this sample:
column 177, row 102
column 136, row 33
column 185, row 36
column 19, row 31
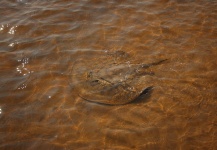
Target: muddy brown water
column 42, row 41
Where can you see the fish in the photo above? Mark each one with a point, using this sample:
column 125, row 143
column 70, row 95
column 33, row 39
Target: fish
column 107, row 79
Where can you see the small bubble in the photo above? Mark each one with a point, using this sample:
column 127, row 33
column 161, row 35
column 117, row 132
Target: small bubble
column 23, row 86
column 49, row 96
column 2, row 27
column 12, row 30
column 11, row 44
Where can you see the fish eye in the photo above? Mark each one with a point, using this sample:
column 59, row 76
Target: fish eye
column 95, row 81
column 89, row 74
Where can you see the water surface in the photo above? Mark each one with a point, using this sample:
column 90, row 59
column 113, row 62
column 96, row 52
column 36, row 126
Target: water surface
column 40, row 41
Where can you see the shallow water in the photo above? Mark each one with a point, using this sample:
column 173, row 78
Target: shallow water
column 40, row 41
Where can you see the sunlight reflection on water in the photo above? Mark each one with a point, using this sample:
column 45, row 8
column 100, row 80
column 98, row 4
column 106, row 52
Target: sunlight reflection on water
column 42, row 41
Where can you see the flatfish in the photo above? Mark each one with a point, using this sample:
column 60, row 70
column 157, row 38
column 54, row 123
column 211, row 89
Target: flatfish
column 109, row 78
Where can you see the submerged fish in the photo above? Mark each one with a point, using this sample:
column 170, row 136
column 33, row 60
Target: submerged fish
column 103, row 80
